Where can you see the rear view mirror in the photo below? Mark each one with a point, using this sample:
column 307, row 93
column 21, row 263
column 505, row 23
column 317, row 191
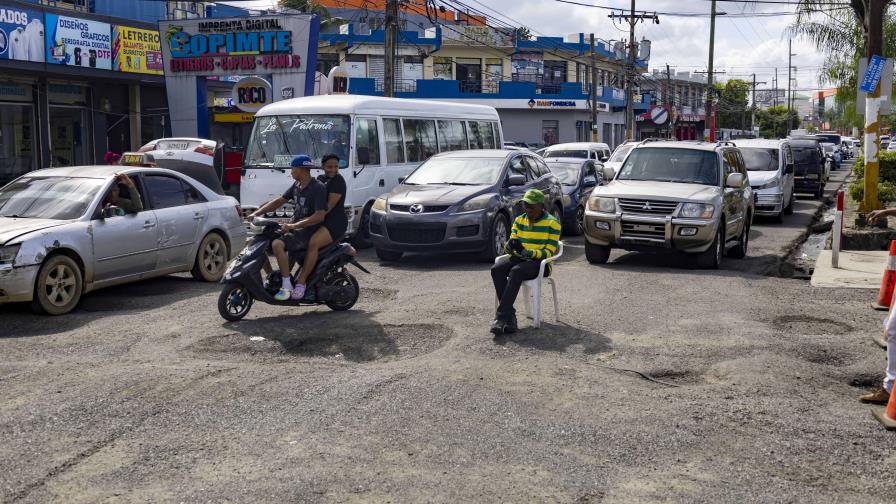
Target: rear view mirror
column 363, row 156
column 608, row 172
column 735, row 180
column 112, row 211
column 515, row 179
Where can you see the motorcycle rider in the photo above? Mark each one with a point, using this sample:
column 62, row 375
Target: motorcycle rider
column 309, row 198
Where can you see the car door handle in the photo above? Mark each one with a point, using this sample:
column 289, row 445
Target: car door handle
column 198, row 217
column 148, row 225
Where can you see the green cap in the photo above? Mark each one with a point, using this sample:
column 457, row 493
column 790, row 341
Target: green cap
column 533, row 196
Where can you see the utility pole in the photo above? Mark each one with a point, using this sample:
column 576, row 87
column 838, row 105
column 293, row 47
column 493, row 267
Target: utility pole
column 670, row 100
column 389, row 48
column 874, row 45
column 593, row 93
column 753, row 104
column 630, row 71
column 789, row 78
column 775, row 97
column 709, row 112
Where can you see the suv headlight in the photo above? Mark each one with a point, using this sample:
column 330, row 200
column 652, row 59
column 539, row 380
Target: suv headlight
column 475, row 204
column 771, row 183
column 605, row 205
column 380, row 204
column 8, row 254
column 697, row 210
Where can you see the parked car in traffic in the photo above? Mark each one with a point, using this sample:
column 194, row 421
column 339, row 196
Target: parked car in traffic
column 810, row 170
column 585, row 150
column 832, row 153
column 61, row 237
column 884, row 142
column 462, row 201
column 692, row 197
column 578, row 178
column 618, row 156
column 770, row 169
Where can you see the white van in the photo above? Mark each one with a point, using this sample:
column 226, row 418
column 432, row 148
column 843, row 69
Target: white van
column 770, row 168
column 585, row 150
column 378, row 140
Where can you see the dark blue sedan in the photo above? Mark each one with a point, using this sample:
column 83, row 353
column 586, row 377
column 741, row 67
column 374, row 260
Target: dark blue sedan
column 578, row 178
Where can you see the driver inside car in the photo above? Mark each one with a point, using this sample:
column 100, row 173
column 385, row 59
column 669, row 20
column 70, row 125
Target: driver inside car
column 133, row 204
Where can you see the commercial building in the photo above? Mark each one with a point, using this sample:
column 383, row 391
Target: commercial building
column 677, row 110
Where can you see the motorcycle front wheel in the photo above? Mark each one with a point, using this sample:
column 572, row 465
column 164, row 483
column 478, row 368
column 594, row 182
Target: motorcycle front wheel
column 234, row 302
column 349, row 292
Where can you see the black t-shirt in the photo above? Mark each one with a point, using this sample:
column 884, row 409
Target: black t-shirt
column 308, row 200
column 336, row 219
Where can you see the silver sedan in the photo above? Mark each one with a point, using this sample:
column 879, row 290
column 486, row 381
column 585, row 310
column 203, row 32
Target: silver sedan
column 68, row 231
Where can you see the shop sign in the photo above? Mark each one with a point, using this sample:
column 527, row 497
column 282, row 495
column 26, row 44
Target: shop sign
column 533, row 103
column 78, row 42
column 659, row 114
column 21, row 34
column 137, row 51
column 234, row 118
column 11, row 91
column 269, row 45
column 67, row 94
column 251, row 94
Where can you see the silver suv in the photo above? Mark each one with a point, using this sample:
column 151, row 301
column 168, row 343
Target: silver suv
column 694, row 197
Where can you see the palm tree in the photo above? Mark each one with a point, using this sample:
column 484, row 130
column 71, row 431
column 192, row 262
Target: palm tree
column 313, row 7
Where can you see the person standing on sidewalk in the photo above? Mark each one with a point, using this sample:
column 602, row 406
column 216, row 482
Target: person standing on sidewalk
column 535, row 236
column 882, row 394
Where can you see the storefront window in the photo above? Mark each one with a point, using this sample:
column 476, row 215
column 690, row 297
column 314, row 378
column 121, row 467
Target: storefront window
column 550, row 131
column 17, row 145
column 69, row 140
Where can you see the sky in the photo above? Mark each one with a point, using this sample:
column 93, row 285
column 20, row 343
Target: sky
column 743, row 45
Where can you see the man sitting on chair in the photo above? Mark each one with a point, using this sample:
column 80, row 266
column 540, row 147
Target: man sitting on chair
column 534, row 237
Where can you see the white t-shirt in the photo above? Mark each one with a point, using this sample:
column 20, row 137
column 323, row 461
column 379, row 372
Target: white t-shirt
column 18, row 44
column 34, row 33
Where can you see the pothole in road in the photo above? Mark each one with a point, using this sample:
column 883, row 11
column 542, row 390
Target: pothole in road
column 360, row 344
column 824, row 356
column 804, row 324
column 864, row 380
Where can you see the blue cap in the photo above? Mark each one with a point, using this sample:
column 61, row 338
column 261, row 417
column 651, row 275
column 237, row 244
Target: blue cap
column 302, row 161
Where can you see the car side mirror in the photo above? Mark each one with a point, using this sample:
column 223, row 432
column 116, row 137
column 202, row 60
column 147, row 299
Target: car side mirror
column 401, row 179
column 788, row 169
column 735, row 180
column 589, row 181
column 608, row 172
column 515, row 179
column 112, row 211
column 363, row 156
column 603, row 159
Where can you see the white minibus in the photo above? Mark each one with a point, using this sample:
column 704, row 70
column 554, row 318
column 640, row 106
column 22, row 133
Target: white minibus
column 379, row 141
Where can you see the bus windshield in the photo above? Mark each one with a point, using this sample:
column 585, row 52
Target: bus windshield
column 284, row 136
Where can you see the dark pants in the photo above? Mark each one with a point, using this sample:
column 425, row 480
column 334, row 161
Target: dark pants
column 507, row 277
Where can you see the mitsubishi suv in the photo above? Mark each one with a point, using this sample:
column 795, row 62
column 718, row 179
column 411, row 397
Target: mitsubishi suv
column 693, row 197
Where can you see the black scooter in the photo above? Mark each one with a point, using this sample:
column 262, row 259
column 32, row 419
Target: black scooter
column 329, row 284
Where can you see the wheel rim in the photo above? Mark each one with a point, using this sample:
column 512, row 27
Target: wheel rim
column 238, row 301
column 500, row 236
column 213, row 256
column 580, row 219
column 60, row 285
column 342, row 281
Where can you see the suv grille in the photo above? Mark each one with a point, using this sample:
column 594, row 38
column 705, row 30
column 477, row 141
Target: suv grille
column 418, row 236
column 426, row 208
column 647, row 207
column 638, row 230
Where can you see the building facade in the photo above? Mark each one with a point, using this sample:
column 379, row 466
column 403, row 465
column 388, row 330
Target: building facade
column 677, row 110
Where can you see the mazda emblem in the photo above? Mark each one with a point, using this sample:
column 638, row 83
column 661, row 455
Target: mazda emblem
column 416, row 208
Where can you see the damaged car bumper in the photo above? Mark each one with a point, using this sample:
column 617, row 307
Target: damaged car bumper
column 17, row 282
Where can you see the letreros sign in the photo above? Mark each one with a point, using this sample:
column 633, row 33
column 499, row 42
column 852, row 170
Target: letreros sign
column 231, row 46
column 252, row 93
column 136, row 50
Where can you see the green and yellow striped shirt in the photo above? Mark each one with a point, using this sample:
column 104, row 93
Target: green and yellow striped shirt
column 541, row 237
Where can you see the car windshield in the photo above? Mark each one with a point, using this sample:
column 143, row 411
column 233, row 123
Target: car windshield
column 661, row 164
column 457, row 171
column 760, row 159
column 573, row 153
column 276, row 139
column 61, row 198
column 567, row 173
column 619, row 153
column 805, row 155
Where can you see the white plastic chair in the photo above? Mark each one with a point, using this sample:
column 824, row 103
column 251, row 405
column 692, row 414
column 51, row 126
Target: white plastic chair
column 531, row 289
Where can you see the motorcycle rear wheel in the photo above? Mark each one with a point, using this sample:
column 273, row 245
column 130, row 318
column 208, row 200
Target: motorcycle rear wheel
column 234, row 302
column 340, row 279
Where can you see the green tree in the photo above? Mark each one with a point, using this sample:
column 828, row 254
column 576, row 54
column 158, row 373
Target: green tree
column 773, row 122
column 733, row 110
column 313, row 7
column 523, row 33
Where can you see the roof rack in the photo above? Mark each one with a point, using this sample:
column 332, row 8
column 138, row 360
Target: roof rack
column 655, row 139
column 726, row 142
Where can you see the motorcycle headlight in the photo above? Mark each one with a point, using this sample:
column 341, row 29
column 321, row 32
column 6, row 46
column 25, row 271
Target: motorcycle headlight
column 771, row 183
column 8, row 254
column 697, row 210
column 605, row 205
column 380, row 204
column 475, row 204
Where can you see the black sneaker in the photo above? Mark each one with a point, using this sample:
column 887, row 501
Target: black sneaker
column 511, row 327
column 498, row 327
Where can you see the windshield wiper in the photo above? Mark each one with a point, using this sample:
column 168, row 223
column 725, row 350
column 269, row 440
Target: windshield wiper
column 459, row 183
column 16, row 216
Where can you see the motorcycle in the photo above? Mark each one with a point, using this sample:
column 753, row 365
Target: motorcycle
column 329, row 284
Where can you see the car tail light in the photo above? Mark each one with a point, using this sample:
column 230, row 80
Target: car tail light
column 202, row 149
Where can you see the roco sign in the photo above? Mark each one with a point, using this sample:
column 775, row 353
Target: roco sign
column 252, row 93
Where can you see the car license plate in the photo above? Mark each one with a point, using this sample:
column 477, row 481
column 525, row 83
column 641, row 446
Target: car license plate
column 642, row 227
column 177, row 146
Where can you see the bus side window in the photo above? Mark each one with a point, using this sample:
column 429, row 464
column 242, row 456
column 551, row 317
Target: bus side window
column 394, row 141
column 367, row 140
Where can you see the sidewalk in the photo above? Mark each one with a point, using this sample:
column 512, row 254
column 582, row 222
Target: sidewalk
column 859, row 269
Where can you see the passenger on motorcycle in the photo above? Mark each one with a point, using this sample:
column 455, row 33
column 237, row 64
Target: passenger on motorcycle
column 309, row 197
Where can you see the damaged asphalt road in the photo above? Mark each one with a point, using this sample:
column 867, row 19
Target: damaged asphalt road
column 145, row 394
